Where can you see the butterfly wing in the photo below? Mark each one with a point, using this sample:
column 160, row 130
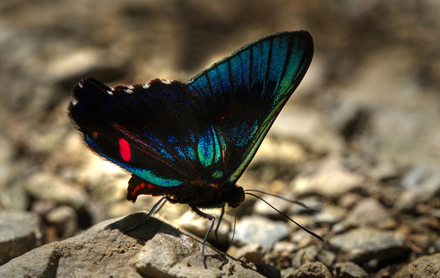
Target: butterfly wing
column 152, row 130
column 203, row 132
column 244, row 93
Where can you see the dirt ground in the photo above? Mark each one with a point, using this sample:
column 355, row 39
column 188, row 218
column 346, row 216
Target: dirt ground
column 370, row 102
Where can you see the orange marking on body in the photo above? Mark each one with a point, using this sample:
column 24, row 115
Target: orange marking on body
column 142, row 186
column 137, row 188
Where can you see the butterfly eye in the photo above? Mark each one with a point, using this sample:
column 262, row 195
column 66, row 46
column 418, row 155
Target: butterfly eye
column 236, row 197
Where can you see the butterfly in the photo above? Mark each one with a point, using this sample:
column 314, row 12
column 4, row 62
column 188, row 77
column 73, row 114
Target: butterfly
column 190, row 142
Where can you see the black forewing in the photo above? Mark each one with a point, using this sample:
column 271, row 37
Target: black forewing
column 167, row 133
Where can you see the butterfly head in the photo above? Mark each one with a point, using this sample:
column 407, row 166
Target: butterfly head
column 234, row 197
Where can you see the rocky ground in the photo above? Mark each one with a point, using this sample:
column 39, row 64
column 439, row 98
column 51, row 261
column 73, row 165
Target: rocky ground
column 358, row 143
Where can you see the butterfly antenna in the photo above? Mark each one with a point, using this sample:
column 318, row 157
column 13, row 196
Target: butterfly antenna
column 278, row 196
column 283, row 214
column 164, row 199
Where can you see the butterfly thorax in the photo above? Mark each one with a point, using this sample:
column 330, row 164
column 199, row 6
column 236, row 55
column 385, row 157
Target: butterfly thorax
column 197, row 193
column 210, row 195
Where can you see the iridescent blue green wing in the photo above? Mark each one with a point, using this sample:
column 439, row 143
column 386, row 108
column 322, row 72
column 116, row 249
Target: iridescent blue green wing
column 244, row 93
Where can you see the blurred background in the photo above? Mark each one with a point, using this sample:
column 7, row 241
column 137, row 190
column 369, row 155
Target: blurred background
column 369, row 102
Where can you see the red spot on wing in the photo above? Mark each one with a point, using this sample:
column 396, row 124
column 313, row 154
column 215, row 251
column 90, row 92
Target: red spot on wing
column 124, row 149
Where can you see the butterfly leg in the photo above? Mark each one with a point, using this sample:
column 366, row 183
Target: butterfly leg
column 210, row 217
column 153, row 209
column 161, row 206
column 218, row 225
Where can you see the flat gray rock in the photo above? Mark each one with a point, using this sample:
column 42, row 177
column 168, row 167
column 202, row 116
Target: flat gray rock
column 155, row 249
column 364, row 244
column 19, row 233
column 331, row 179
column 369, row 212
column 260, row 230
column 43, row 186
